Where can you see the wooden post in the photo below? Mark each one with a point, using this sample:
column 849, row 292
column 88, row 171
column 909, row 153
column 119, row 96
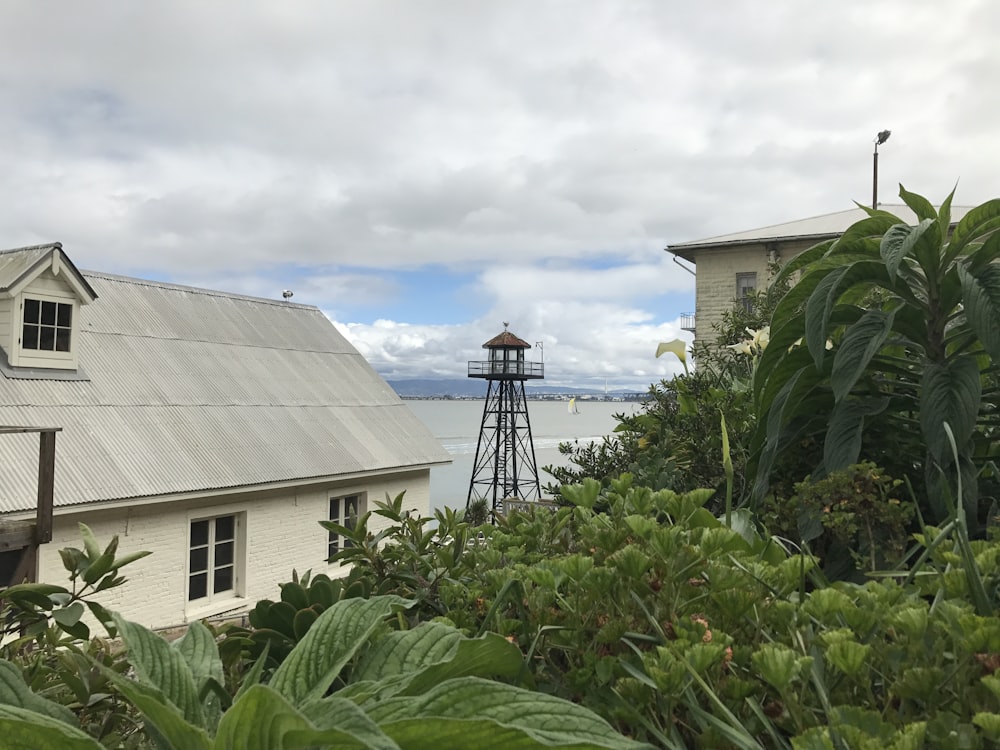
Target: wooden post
column 46, row 481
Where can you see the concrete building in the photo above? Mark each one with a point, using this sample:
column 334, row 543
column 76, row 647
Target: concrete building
column 212, row 429
column 731, row 267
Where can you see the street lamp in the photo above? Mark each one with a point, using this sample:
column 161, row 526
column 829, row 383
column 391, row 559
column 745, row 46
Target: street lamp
column 882, row 137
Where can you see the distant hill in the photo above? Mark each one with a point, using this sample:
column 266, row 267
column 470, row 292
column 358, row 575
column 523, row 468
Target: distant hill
column 476, row 388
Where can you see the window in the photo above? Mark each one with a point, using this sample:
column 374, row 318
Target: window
column 344, row 511
column 746, row 287
column 46, row 325
column 212, row 551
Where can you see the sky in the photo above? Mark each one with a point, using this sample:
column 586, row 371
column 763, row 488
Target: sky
column 424, row 171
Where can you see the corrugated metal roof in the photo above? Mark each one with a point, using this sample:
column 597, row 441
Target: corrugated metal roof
column 194, row 390
column 827, row 225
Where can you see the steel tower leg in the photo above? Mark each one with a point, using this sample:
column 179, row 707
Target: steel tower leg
column 505, row 452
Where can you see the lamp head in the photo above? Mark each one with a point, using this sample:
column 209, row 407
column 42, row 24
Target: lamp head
column 882, row 137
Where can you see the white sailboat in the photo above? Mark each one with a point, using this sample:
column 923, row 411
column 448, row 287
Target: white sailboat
column 572, row 406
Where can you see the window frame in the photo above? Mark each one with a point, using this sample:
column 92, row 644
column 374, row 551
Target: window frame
column 337, row 507
column 745, row 293
column 26, row 356
column 228, row 597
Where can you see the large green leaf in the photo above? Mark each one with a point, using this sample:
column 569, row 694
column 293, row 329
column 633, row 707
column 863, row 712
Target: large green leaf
column 860, row 343
column 343, row 715
column 471, row 712
column 160, row 713
column 902, row 241
column 842, row 445
column 201, row 654
column 263, row 720
column 818, row 308
column 875, row 225
column 975, row 224
column 802, row 260
column 199, row 651
column 944, row 222
column 793, row 400
column 435, row 652
column 983, row 254
column 950, row 392
column 162, row 667
column 919, row 204
column 331, row 642
column 981, row 299
column 14, row 691
column 22, row 729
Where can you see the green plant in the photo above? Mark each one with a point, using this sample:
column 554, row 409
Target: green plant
column 47, row 645
column 277, row 626
column 856, row 514
column 351, row 682
column 892, row 332
column 412, row 556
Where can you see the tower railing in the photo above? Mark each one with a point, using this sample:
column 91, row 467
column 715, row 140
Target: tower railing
column 506, row 369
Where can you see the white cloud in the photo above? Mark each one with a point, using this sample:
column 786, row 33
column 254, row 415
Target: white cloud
column 236, row 143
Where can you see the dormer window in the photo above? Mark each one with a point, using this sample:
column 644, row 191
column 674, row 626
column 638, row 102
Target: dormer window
column 48, row 325
column 41, row 293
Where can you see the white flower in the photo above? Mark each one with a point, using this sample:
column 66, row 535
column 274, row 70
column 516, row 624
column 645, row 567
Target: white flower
column 742, row 347
column 759, row 339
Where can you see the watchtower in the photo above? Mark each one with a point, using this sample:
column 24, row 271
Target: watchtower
column 505, row 454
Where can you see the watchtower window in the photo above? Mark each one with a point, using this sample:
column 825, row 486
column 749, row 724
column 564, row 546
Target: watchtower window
column 47, row 325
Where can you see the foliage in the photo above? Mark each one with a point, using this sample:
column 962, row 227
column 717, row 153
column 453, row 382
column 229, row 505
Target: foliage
column 857, row 514
column 351, row 681
column 686, row 633
column 276, row 627
column 892, row 332
column 47, row 645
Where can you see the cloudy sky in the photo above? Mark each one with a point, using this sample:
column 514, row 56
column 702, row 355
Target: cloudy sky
column 424, row 170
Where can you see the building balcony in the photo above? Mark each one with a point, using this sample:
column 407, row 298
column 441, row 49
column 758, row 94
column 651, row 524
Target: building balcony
column 500, row 370
column 687, row 322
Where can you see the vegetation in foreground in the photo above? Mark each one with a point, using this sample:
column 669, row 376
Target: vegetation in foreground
column 835, row 585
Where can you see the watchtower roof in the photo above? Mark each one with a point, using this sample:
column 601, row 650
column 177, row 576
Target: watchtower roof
column 506, row 340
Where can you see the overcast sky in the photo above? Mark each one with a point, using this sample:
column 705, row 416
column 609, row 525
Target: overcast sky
column 424, row 171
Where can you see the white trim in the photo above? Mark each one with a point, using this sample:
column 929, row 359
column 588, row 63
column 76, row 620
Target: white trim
column 211, row 604
column 340, row 496
column 44, row 358
column 55, row 263
column 133, row 502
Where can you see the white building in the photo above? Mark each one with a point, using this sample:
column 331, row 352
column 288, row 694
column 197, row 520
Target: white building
column 213, row 429
column 732, row 267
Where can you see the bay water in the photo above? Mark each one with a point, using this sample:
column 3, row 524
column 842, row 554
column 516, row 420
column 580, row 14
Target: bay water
column 456, row 424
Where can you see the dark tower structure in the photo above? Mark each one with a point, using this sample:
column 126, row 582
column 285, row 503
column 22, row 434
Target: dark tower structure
column 505, row 455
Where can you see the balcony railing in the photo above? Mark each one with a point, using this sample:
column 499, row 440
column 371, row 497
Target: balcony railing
column 500, row 370
column 687, row 322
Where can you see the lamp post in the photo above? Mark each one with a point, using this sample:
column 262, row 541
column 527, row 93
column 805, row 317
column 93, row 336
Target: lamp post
column 881, row 138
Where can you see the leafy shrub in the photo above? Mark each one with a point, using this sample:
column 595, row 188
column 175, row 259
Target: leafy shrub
column 855, row 515
column 911, row 316
column 683, row 632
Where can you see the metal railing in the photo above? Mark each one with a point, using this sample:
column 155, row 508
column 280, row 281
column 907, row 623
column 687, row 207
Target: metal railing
column 501, row 370
column 687, row 322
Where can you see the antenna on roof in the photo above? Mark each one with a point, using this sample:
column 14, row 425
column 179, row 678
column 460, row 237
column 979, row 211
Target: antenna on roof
column 287, row 294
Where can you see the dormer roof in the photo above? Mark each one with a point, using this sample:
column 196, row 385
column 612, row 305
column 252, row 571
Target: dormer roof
column 21, row 266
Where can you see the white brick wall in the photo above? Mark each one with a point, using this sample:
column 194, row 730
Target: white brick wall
column 282, row 532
